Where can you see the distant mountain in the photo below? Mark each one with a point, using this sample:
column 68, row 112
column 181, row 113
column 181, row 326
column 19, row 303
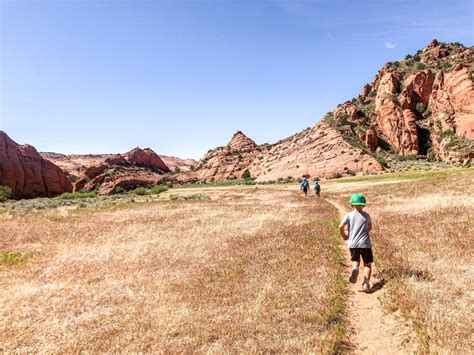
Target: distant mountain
column 72, row 164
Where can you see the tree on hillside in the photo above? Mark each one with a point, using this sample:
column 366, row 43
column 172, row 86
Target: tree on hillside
column 246, row 174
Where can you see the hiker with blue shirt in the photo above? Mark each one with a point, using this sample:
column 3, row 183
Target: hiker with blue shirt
column 358, row 225
column 305, row 186
column 317, row 189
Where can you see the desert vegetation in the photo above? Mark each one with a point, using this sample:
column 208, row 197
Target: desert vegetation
column 251, row 269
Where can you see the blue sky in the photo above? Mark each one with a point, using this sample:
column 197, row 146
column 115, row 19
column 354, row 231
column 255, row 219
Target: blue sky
column 182, row 76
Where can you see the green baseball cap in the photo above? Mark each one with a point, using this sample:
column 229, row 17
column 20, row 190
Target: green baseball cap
column 358, row 200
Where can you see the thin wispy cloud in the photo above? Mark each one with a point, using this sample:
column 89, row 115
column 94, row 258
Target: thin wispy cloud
column 390, row 45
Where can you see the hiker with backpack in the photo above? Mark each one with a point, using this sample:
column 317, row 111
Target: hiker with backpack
column 317, row 189
column 358, row 224
column 305, row 186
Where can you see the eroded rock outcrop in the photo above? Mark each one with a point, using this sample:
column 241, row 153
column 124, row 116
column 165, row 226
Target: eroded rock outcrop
column 320, row 151
column 423, row 105
column 139, row 167
column 27, row 173
column 147, row 158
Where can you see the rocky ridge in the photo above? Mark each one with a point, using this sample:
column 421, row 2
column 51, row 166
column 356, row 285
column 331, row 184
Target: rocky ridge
column 138, row 167
column 422, row 107
column 25, row 171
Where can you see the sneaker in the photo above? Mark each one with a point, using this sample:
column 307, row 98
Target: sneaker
column 366, row 287
column 354, row 275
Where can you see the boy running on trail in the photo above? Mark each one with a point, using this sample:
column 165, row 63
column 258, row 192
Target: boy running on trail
column 359, row 225
column 317, row 189
column 305, row 186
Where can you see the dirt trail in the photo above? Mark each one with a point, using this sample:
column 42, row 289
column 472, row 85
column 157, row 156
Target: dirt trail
column 372, row 330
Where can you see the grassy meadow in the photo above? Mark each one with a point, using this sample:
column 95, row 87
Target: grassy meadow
column 251, row 269
column 234, row 268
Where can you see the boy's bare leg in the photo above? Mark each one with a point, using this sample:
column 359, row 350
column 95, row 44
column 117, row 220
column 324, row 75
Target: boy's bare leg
column 367, row 271
column 355, row 265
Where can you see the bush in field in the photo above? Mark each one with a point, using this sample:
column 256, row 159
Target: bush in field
column 157, row 189
column 10, row 258
column 246, row 175
column 5, row 193
column 76, row 195
column 350, row 172
column 140, row 191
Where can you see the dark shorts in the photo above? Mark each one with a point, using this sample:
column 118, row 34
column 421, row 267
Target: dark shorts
column 365, row 253
column 305, row 190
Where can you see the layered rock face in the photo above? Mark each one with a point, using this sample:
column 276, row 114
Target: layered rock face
column 147, row 158
column 139, row 167
column 320, row 151
column 423, row 105
column 178, row 164
column 74, row 164
column 27, row 173
column 231, row 160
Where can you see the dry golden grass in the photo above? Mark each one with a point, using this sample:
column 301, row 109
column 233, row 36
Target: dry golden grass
column 254, row 269
column 423, row 244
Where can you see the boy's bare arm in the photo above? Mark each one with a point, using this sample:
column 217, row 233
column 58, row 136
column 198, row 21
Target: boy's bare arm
column 369, row 227
column 343, row 232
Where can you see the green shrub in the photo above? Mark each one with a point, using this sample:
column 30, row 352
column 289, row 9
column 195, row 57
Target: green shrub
column 447, row 133
column 118, row 190
column 11, row 258
column 406, row 157
column 5, row 193
column 380, row 159
column 140, row 191
column 431, row 154
column 246, row 175
column 76, row 195
column 420, row 66
column 420, row 107
column 350, row 172
column 157, row 189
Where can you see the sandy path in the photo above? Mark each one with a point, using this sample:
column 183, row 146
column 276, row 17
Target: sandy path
column 372, row 330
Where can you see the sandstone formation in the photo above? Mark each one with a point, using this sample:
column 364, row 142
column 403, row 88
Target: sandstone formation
column 27, row 173
column 423, row 105
column 420, row 106
column 146, row 158
column 320, row 151
column 177, row 164
column 74, row 164
column 138, row 167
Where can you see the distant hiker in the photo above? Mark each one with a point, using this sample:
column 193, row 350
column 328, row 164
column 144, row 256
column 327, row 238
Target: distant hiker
column 359, row 225
column 305, row 186
column 317, row 189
